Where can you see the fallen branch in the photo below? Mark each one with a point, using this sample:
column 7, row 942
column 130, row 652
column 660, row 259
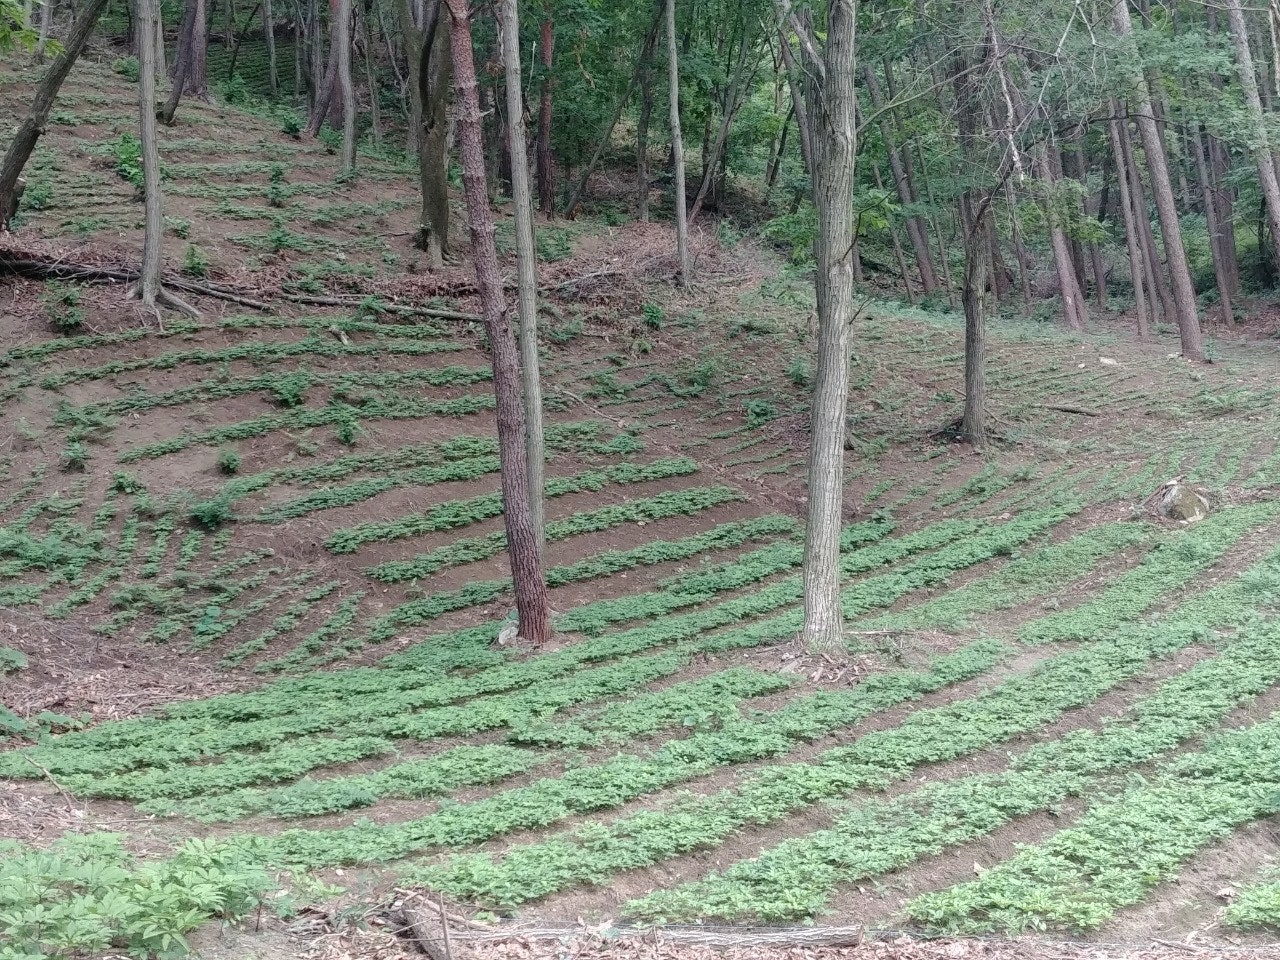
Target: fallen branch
column 65, row 796
column 1064, row 408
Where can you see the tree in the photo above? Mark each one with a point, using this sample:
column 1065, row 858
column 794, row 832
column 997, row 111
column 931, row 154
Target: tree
column 148, row 288
column 24, row 141
column 1184, row 295
column 342, row 52
column 1259, row 143
column 532, row 604
column 677, row 144
column 545, row 165
column 526, row 265
column 430, row 71
column 832, row 110
column 269, row 32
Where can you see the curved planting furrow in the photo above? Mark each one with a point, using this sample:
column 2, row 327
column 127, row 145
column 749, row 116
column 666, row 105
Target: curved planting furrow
column 797, row 878
column 625, row 777
column 461, row 513
column 592, row 855
column 211, row 727
column 339, row 414
column 1121, row 848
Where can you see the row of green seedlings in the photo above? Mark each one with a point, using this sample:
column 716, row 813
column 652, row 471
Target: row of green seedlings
column 457, row 459
column 277, row 715
column 188, row 602
column 1019, row 706
column 1257, row 906
column 460, row 513
column 286, row 390
column 808, row 718
column 1124, row 846
column 258, row 352
column 798, row 878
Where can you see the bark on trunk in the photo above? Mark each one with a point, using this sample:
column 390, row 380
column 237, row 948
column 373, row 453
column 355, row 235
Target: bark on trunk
column 24, row 141
column 329, row 84
column 1180, row 274
column 803, row 127
column 46, row 19
column 1132, row 240
column 526, row 562
column 430, row 71
column 197, row 82
column 916, row 233
column 269, row 32
column 342, row 52
column 148, row 289
column 977, row 240
column 677, row 144
column 1259, row 144
column 545, row 164
column 365, row 31
column 642, row 141
column 182, row 63
column 1214, row 224
column 835, row 139
column 526, row 267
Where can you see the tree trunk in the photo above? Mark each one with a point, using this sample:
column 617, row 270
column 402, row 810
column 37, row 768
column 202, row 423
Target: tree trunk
column 677, row 145
column 642, row 141
column 914, row 224
column 1157, row 283
column 1259, row 144
column 1072, row 298
column 181, row 63
column 734, row 97
column 1214, row 223
column 269, row 33
column 1132, row 239
column 148, row 289
column 522, row 545
column 162, row 68
column 342, row 52
column 526, row 267
column 835, row 139
column 430, row 72
column 1183, row 293
column 239, row 40
column 365, row 30
column 24, row 140
column 1224, row 199
column 803, row 127
column 977, row 240
column 545, row 164
column 898, row 254
column 329, row 84
column 46, row 19
column 197, row 82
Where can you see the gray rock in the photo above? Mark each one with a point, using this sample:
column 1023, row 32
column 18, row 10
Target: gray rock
column 1180, row 502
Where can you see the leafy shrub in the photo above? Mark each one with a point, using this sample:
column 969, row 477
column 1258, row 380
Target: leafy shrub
column 228, row 461
column 212, row 513
column 759, row 412
column 195, row 264
column 37, row 195
column 128, row 68
column 290, row 390
column 553, row 244
column 86, row 896
column 126, row 483
column 180, row 227
column 234, row 90
column 127, row 151
column 11, row 660
column 653, row 316
column 76, row 457
column 331, row 138
column 291, row 125
column 799, row 373
column 61, row 304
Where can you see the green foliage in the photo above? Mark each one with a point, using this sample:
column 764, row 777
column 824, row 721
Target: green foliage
column 195, row 263
column 127, row 152
column 228, row 461
column 61, row 304
column 11, row 660
column 291, row 126
column 75, row 458
column 1257, row 906
column 653, row 315
column 126, row 67
column 212, row 513
column 86, row 895
column 759, row 412
column 233, row 90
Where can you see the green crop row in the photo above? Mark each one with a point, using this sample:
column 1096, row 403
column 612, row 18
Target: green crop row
column 624, row 777
column 1019, row 705
column 337, row 624
column 211, row 629
column 1169, row 567
column 426, row 777
column 1047, row 570
column 1256, row 906
column 693, row 589
column 672, row 503
column 721, row 537
column 255, row 352
column 1121, row 847
column 288, row 385
column 460, row 513
column 797, row 878
column 303, row 418
column 292, row 616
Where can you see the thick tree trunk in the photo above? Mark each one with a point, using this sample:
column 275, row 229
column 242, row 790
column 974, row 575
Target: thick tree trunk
column 915, row 226
column 46, row 20
column 526, row 267
column 677, row 145
column 197, row 82
column 1157, row 283
column 522, row 545
column 430, row 72
column 545, row 163
column 269, row 32
column 835, row 139
column 1180, row 274
column 342, row 53
column 1068, row 283
column 977, row 240
column 329, row 84
column 24, row 141
column 1132, row 239
column 1224, row 200
column 1258, row 141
